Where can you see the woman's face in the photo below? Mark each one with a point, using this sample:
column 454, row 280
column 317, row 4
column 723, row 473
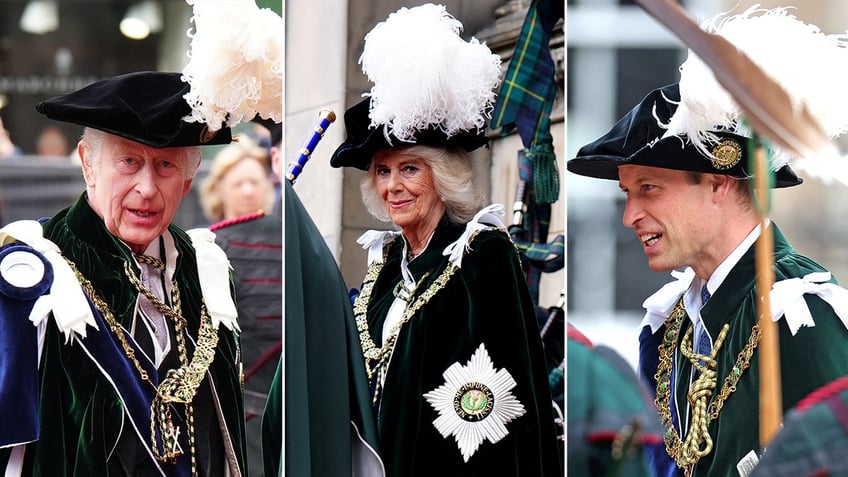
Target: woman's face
column 244, row 189
column 405, row 183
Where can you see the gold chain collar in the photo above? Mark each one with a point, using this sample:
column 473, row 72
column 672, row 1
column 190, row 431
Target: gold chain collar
column 377, row 359
column 697, row 443
column 178, row 386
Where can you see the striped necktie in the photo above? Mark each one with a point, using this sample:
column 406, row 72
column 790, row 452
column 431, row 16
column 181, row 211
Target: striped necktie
column 704, row 346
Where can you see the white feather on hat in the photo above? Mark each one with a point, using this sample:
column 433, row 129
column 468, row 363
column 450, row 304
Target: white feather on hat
column 425, row 74
column 808, row 64
column 236, row 63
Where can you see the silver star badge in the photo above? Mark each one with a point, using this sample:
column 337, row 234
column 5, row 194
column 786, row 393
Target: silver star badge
column 475, row 403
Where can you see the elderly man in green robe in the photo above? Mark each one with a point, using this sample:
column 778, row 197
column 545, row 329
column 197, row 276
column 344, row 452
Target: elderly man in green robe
column 133, row 364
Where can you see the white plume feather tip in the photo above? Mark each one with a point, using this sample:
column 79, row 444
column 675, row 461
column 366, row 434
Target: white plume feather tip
column 425, row 74
column 235, row 66
column 808, row 64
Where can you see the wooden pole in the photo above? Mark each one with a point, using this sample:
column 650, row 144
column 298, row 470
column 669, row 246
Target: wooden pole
column 771, row 402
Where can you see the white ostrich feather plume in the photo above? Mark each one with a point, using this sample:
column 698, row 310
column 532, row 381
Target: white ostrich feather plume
column 808, row 64
column 236, row 63
column 425, row 75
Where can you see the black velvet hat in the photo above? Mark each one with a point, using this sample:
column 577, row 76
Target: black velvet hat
column 429, row 87
column 147, row 107
column 637, row 139
column 363, row 140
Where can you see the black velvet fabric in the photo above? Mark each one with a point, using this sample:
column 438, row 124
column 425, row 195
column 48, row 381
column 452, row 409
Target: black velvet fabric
column 145, row 106
column 363, row 141
column 635, row 139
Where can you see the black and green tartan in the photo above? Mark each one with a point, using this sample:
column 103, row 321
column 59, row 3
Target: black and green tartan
column 528, row 93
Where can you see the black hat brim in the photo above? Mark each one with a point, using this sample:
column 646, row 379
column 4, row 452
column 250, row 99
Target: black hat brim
column 637, row 138
column 146, row 107
column 363, row 141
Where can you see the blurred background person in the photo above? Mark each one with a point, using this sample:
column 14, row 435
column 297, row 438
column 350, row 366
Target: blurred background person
column 238, row 183
column 611, row 417
column 239, row 191
column 52, row 143
column 8, row 149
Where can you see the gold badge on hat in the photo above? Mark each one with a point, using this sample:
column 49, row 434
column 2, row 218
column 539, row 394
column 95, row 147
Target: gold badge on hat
column 207, row 134
column 726, row 154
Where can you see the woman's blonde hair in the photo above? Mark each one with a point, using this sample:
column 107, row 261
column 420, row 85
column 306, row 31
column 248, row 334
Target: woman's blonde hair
column 452, row 179
column 229, row 156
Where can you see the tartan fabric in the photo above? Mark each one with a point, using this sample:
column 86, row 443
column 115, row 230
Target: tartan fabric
column 528, row 89
column 530, row 236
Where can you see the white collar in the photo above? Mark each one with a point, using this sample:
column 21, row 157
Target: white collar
column 724, row 268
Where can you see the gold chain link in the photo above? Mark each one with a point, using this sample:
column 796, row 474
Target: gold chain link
column 180, row 385
column 377, row 359
column 687, row 452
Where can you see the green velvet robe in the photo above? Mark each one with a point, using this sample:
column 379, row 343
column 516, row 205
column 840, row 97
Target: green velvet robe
column 487, row 302
column 326, row 391
column 813, row 357
column 81, row 415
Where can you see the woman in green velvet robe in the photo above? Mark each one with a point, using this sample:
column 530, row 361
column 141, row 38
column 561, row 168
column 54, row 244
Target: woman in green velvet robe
column 448, row 328
column 446, row 322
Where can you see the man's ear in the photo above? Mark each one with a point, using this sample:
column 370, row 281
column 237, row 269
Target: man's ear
column 84, row 151
column 721, row 186
column 186, row 187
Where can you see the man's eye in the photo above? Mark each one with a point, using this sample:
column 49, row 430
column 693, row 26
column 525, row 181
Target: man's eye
column 130, row 164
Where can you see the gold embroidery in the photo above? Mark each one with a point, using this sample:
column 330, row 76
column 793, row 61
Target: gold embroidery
column 726, row 154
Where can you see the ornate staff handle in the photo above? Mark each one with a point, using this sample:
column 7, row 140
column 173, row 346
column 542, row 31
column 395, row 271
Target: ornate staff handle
column 325, row 118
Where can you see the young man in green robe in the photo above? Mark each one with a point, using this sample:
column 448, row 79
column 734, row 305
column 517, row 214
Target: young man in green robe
column 690, row 204
column 133, row 366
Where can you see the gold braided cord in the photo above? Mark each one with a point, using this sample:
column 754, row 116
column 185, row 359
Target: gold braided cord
column 166, row 310
column 116, row 327
column 377, row 359
column 178, row 386
column 697, row 442
column 150, row 260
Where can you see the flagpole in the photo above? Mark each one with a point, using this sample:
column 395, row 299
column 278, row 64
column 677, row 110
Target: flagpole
column 770, row 399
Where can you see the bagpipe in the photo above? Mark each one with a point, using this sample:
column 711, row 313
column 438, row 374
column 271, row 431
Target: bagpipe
column 525, row 102
column 294, row 168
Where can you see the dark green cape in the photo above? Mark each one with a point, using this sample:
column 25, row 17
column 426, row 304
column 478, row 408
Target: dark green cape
column 81, row 415
column 485, row 302
column 325, row 389
column 813, row 357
